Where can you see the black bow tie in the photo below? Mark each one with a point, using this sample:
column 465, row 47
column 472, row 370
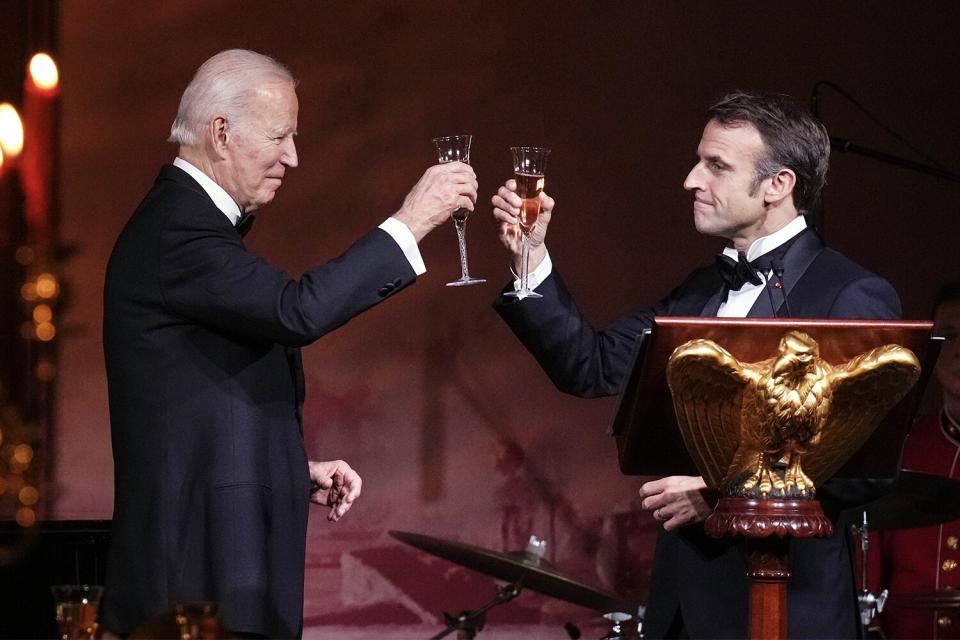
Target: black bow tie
column 245, row 223
column 739, row 272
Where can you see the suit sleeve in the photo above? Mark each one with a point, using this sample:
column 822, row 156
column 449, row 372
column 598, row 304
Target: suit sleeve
column 579, row 359
column 208, row 276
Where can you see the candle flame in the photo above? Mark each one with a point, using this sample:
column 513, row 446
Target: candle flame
column 11, row 131
column 43, row 72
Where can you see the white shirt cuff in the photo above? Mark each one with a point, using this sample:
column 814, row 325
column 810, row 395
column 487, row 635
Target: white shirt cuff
column 535, row 277
column 408, row 244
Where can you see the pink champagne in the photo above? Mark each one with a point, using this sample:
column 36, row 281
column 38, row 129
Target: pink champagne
column 529, row 186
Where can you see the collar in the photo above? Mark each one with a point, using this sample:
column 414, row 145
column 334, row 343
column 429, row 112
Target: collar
column 220, row 198
column 766, row 244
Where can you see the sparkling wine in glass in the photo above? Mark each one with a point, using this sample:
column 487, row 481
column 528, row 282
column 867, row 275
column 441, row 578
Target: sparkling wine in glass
column 457, row 149
column 529, row 167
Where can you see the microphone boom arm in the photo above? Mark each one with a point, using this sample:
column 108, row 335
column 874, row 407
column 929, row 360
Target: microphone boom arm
column 846, row 146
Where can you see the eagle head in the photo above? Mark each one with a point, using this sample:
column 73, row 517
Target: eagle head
column 798, row 353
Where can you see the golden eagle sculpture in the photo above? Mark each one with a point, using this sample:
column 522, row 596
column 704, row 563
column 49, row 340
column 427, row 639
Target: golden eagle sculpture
column 748, row 426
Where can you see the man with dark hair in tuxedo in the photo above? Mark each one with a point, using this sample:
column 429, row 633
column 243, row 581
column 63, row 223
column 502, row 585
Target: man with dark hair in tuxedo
column 201, row 340
column 762, row 162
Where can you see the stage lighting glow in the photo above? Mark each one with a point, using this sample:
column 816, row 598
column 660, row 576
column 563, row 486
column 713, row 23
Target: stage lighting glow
column 26, row 517
column 42, row 313
column 29, row 496
column 47, row 286
column 43, row 72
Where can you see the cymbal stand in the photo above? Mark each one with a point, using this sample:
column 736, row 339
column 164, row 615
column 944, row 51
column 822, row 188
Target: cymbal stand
column 870, row 603
column 621, row 628
column 468, row 623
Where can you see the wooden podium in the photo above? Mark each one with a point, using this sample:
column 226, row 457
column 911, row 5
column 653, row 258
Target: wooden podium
column 721, row 377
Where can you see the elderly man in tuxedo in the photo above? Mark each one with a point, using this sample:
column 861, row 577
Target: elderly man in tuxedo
column 202, row 338
column 762, row 162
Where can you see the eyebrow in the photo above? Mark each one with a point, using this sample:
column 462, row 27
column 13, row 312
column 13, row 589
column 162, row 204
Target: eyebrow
column 717, row 159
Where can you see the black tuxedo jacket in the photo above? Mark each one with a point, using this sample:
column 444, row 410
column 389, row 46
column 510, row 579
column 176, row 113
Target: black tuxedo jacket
column 700, row 577
column 201, row 340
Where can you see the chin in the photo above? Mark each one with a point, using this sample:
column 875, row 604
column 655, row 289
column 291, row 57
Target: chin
column 704, row 227
column 262, row 202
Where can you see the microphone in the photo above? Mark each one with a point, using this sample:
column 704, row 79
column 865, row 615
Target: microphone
column 777, row 267
column 766, row 285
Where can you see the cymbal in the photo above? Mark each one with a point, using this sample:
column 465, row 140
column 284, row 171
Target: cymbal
column 931, row 599
column 532, row 572
column 915, row 500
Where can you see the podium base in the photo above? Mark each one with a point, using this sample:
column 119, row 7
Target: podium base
column 765, row 524
column 752, row 518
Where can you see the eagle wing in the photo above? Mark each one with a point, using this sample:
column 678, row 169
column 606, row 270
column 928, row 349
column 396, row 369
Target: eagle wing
column 864, row 390
column 707, row 384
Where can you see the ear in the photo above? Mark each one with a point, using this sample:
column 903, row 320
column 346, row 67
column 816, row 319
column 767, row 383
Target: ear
column 219, row 133
column 780, row 187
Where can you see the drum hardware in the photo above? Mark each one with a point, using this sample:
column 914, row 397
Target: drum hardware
column 914, row 500
column 524, row 569
column 870, row 603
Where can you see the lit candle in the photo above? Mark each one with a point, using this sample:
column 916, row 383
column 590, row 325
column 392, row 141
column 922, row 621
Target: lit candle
column 11, row 144
column 38, row 165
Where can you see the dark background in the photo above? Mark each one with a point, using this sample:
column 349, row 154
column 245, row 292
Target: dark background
column 456, row 431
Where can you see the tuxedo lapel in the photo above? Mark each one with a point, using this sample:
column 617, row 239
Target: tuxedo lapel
column 796, row 261
column 713, row 302
column 799, row 258
column 762, row 307
column 700, row 295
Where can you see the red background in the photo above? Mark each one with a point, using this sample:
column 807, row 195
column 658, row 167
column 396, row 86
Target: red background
column 456, row 431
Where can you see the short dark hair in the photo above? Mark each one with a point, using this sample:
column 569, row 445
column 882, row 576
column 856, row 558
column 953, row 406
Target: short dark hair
column 949, row 292
column 793, row 137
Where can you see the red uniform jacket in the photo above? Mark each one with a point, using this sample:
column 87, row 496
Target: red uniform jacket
column 910, row 560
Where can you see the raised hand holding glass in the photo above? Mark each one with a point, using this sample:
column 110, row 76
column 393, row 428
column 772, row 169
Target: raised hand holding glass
column 457, row 149
column 529, row 167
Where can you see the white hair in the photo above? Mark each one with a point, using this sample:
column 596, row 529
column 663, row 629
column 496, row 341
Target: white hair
column 224, row 85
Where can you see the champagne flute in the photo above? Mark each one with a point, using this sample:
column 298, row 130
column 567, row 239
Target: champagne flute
column 529, row 166
column 457, row 149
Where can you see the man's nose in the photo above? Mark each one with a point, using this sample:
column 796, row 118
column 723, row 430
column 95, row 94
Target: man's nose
column 693, row 181
column 289, row 157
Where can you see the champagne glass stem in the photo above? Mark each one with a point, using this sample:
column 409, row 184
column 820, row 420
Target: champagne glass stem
column 461, row 226
column 525, row 262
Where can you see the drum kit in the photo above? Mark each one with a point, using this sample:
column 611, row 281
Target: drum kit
column 525, row 569
column 915, row 500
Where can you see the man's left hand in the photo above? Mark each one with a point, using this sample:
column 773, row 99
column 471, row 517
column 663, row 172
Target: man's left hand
column 334, row 484
column 677, row 500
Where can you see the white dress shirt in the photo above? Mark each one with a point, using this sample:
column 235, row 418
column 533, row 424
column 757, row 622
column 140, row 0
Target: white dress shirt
column 400, row 233
column 739, row 302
